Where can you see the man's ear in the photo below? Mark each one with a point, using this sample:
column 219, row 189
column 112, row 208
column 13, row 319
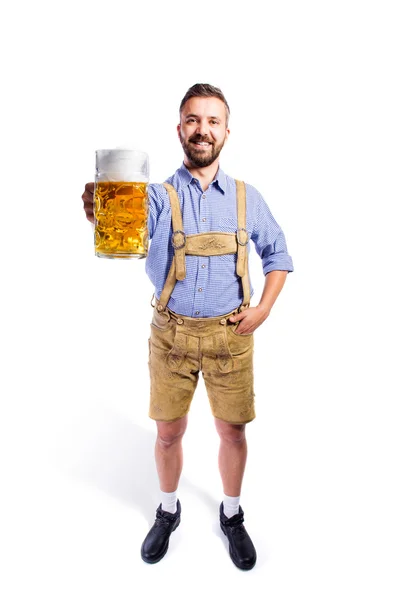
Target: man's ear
column 178, row 128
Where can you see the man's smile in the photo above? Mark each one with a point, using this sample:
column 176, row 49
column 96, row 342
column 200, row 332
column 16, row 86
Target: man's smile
column 200, row 145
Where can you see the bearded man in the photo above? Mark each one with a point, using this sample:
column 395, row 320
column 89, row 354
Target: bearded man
column 200, row 223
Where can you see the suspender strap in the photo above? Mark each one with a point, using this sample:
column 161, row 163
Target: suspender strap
column 242, row 240
column 246, row 289
column 178, row 235
column 241, row 231
column 168, row 287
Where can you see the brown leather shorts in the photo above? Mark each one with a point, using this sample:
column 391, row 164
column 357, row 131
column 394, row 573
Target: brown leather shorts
column 180, row 347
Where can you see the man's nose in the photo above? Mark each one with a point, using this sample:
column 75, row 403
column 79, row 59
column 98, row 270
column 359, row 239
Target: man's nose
column 202, row 128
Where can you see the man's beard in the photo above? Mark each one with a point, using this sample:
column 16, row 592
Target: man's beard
column 198, row 158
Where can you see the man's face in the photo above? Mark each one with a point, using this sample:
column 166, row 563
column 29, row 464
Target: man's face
column 202, row 130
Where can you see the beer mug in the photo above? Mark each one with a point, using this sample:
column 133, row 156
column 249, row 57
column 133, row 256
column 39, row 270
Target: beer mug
column 120, row 203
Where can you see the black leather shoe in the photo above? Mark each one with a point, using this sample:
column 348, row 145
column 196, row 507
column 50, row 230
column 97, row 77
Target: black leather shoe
column 156, row 542
column 241, row 548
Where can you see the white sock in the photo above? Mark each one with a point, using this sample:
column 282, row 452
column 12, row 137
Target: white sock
column 168, row 501
column 231, row 505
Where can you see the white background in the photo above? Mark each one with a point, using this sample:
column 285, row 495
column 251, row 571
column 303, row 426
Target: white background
column 314, row 93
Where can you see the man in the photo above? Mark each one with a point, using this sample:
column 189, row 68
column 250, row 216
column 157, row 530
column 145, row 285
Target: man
column 202, row 320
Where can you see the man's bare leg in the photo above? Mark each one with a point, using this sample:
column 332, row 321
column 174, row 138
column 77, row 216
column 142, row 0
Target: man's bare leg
column 169, row 460
column 232, row 456
column 168, row 452
column 232, row 462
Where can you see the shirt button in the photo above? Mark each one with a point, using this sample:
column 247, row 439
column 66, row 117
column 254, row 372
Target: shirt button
column 203, row 196
column 204, row 219
column 197, row 312
column 200, row 290
column 203, row 266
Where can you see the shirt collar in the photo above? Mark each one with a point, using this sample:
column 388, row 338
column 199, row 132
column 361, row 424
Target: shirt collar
column 186, row 178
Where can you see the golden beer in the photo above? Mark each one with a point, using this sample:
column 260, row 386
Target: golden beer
column 120, row 210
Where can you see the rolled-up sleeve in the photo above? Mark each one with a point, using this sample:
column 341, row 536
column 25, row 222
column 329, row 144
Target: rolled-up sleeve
column 269, row 239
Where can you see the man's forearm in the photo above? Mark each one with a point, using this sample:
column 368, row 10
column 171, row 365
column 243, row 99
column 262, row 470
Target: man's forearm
column 274, row 282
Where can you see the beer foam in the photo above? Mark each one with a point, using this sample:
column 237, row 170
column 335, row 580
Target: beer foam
column 122, row 164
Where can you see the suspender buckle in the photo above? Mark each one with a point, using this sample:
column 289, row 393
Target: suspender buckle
column 239, row 236
column 174, row 244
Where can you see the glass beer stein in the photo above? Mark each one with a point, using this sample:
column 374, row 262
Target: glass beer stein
column 120, row 203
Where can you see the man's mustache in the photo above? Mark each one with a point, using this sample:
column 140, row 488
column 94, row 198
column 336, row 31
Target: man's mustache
column 199, row 138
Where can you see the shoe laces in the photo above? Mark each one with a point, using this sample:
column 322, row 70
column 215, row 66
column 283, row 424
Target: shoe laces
column 235, row 523
column 163, row 520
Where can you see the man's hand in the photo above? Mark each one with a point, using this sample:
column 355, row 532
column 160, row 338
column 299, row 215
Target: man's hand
column 87, row 198
column 250, row 319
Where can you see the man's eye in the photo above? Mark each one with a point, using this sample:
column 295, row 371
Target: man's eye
column 190, row 120
column 214, row 122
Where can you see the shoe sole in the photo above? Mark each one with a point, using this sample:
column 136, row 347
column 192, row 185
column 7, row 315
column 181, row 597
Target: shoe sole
column 164, row 552
column 241, row 567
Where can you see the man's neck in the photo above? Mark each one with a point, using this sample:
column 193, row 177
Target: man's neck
column 205, row 175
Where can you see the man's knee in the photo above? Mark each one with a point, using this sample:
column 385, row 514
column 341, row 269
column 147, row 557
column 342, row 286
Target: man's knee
column 228, row 432
column 171, row 432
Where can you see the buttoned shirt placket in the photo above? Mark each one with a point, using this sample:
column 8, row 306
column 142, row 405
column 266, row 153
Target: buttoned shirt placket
column 202, row 261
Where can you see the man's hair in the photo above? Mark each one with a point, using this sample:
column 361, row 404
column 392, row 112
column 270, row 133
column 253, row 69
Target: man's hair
column 205, row 90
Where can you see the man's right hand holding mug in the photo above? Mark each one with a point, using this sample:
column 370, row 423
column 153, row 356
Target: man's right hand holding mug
column 87, row 198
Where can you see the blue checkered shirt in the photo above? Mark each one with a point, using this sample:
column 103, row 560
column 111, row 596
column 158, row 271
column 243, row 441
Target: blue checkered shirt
column 211, row 287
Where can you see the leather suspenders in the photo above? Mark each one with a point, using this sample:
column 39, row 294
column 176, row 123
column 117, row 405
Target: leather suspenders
column 207, row 244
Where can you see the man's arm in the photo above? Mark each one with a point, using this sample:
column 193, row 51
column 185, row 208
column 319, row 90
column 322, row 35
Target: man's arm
column 251, row 318
column 270, row 244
